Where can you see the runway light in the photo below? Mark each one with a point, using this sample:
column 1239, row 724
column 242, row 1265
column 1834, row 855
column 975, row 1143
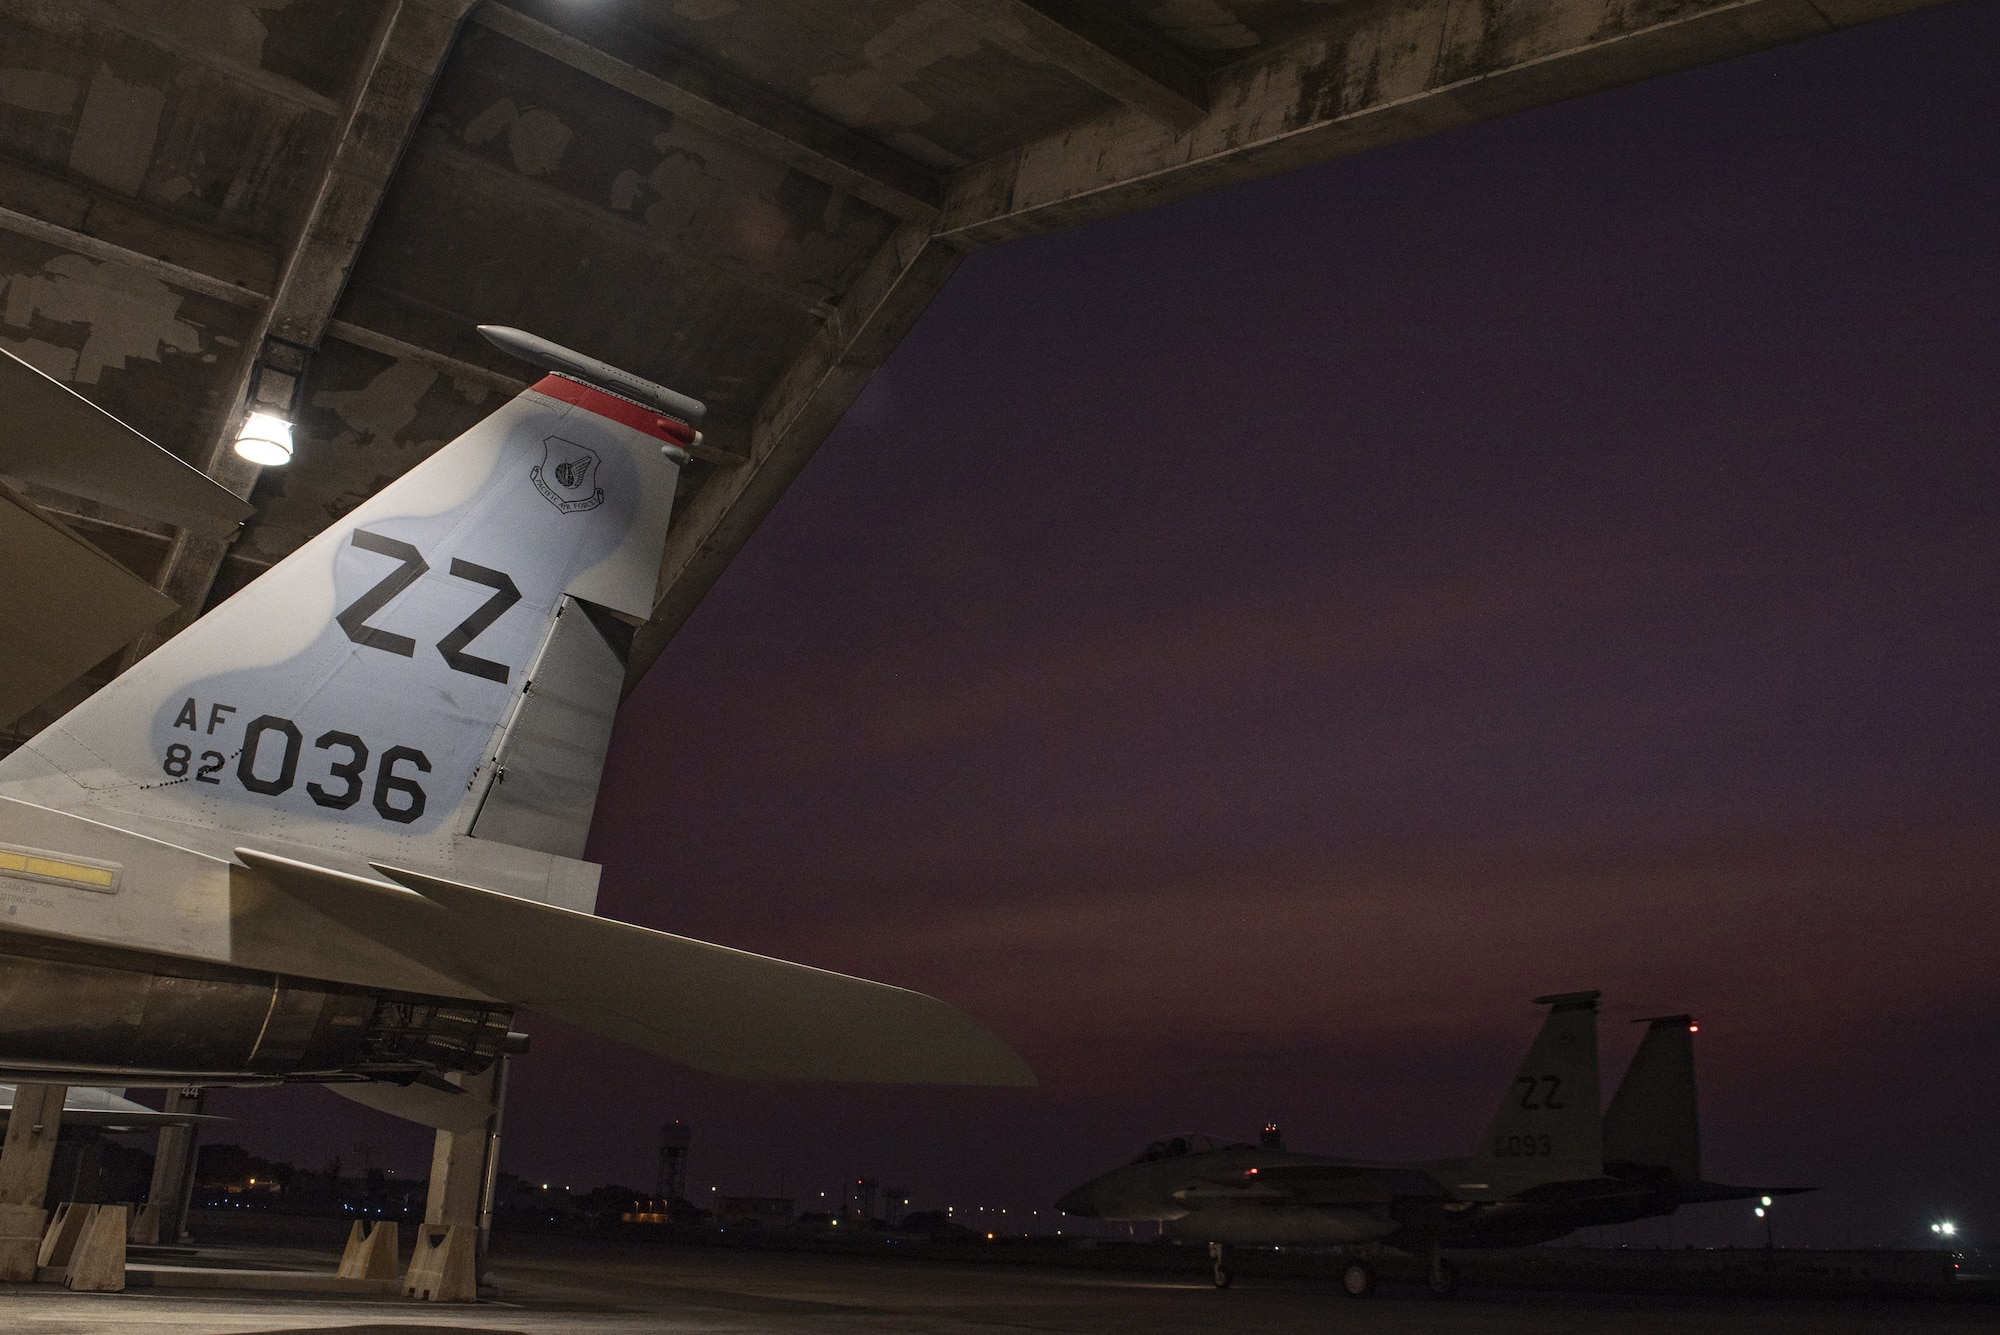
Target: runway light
column 265, row 439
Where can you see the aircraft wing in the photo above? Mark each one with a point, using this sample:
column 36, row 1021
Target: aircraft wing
column 1314, row 1172
column 720, row 1010
column 52, row 435
column 108, row 1110
column 1323, row 1183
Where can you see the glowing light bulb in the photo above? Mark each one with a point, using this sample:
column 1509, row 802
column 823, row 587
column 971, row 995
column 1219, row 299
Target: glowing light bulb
column 265, row 439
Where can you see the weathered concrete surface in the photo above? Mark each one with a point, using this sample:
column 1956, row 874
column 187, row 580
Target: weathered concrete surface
column 750, row 200
column 408, row 46
column 1388, row 70
column 559, row 1287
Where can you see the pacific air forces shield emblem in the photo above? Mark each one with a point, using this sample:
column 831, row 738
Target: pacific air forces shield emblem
column 567, row 475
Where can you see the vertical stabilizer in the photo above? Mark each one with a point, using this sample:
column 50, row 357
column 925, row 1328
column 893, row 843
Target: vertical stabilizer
column 1651, row 1122
column 356, row 698
column 1548, row 1128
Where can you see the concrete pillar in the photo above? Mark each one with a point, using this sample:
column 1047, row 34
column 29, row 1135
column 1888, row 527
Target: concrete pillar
column 173, row 1174
column 25, row 1159
column 458, row 1165
column 446, row 1265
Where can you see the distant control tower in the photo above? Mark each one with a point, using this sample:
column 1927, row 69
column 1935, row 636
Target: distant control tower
column 670, row 1184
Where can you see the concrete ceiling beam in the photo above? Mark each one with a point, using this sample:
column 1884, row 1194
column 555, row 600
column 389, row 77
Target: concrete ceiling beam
column 1094, row 43
column 411, row 42
column 57, row 15
column 628, row 60
column 1389, row 71
column 818, row 387
column 212, row 285
column 434, row 150
column 97, row 248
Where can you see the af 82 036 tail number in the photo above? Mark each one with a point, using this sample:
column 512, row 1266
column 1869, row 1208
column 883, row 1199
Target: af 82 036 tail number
column 273, row 751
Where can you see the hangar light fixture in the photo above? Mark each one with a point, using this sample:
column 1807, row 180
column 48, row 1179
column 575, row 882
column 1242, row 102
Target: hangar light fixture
column 277, row 379
column 265, row 439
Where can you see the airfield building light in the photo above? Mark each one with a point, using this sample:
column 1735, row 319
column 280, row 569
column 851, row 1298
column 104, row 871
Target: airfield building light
column 266, row 439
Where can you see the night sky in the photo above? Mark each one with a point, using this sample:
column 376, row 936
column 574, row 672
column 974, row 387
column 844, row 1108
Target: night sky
column 1244, row 651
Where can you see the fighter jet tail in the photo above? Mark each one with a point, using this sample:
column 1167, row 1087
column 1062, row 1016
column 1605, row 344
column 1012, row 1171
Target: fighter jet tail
column 443, row 662
column 1548, row 1128
column 1652, row 1121
column 430, row 685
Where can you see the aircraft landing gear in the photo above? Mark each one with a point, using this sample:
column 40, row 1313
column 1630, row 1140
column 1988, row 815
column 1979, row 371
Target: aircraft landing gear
column 1219, row 1254
column 1358, row 1279
column 1443, row 1277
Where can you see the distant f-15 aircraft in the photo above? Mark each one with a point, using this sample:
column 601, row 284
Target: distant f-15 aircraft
column 334, row 830
column 1549, row 1164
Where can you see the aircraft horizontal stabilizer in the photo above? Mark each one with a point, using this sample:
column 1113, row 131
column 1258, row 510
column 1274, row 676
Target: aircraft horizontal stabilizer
column 720, row 1010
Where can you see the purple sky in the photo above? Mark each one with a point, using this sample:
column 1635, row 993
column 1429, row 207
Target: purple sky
column 1244, row 651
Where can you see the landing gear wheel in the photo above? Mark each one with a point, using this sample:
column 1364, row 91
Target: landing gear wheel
column 1219, row 1254
column 1443, row 1278
column 1358, row 1279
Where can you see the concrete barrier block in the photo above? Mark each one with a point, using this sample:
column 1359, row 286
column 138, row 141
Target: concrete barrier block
column 371, row 1251
column 98, row 1263
column 65, row 1227
column 444, row 1266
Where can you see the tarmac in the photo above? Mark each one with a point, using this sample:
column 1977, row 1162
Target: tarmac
column 567, row 1286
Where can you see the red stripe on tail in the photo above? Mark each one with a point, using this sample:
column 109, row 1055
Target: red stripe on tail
column 622, row 410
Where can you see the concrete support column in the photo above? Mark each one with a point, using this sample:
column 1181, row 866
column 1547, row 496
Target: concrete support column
column 447, row 1262
column 173, row 1173
column 462, row 1161
column 458, row 1161
column 25, row 1160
